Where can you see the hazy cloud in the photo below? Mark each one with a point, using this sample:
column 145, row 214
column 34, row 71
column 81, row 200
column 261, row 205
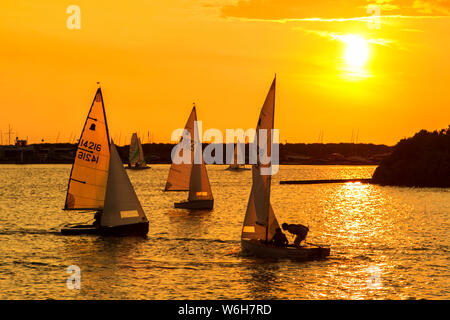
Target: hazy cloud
column 343, row 37
column 332, row 9
column 441, row 7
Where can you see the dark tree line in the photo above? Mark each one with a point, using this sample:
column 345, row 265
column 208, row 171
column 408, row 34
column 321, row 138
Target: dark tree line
column 420, row 161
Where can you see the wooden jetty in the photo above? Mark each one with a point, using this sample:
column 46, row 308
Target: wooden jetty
column 325, row 181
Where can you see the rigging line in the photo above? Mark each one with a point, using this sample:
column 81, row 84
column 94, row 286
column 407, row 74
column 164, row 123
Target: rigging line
column 83, row 182
column 89, row 184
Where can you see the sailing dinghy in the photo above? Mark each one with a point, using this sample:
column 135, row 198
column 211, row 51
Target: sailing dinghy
column 191, row 177
column 236, row 166
column 136, row 160
column 98, row 182
column 260, row 222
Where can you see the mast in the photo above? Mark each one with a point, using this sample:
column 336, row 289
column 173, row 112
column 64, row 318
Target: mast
column 269, row 178
column 10, row 132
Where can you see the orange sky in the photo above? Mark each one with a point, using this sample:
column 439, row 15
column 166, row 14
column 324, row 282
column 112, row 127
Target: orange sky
column 155, row 58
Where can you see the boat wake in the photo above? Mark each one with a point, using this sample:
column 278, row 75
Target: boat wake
column 195, row 240
column 29, row 231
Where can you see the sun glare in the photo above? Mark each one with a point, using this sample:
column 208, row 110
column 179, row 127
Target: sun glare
column 356, row 51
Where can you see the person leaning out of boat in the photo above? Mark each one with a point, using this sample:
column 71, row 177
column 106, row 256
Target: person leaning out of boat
column 299, row 230
column 279, row 239
column 97, row 219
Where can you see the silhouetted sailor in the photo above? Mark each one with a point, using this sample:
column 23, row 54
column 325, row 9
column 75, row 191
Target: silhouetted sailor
column 279, row 239
column 297, row 229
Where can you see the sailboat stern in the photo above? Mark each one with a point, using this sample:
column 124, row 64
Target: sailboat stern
column 237, row 168
column 138, row 167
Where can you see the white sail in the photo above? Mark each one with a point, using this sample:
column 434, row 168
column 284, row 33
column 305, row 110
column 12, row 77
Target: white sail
column 180, row 174
column 122, row 205
column 136, row 154
column 252, row 229
column 134, row 150
column 141, row 154
column 235, row 162
column 199, row 186
column 260, row 221
column 87, row 182
column 238, row 162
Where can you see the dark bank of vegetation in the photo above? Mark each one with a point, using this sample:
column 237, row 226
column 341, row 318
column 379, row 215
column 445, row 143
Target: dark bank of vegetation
column 420, row 161
column 290, row 153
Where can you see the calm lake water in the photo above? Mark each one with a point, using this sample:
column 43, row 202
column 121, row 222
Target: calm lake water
column 386, row 242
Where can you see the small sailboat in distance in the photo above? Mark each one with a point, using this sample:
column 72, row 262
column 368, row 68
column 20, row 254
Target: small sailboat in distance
column 98, row 182
column 136, row 159
column 236, row 166
column 191, row 177
column 260, row 222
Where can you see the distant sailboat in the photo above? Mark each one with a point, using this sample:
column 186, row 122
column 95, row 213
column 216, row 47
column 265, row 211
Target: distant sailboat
column 191, row 177
column 260, row 222
column 136, row 159
column 235, row 166
column 98, row 181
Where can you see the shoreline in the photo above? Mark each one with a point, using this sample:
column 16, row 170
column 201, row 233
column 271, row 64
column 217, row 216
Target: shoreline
column 160, row 153
column 214, row 164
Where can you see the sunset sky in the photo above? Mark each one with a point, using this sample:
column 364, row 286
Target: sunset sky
column 337, row 70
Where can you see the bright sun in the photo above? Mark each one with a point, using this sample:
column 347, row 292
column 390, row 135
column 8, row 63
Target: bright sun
column 356, row 51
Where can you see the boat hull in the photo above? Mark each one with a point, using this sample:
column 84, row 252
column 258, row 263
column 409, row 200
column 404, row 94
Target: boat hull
column 195, row 205
column 135, row 229
column 137, row 168
column 237, row 169
column 264, row 250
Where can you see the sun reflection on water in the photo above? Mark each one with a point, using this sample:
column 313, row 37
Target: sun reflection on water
column 386, row 242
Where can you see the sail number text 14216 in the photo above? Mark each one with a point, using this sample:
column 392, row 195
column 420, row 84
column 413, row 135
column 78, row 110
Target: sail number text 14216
column 86, row 151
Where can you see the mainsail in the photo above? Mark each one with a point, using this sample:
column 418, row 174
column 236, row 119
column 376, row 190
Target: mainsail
column 122, row 206
column 179, row 174
column 260, row 221
column 89, row 175
column 199, row 187
column 237, row 161
column 141, row 154
column 136, row 155
column 133, row 156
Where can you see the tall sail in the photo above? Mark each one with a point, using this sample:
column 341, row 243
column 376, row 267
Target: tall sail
column 237, row 158
column 179, row 174
column 133, row 157
column 141, row 154
column 199, row 187
column 89, row 175
column 122, row 205
column 260, row 221
column 136, row 154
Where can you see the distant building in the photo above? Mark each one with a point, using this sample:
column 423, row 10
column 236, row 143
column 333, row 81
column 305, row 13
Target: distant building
column 21, row 143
